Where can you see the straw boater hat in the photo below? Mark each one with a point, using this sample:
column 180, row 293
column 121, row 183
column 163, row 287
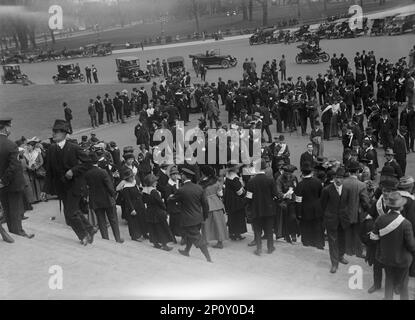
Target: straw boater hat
column 406, row 183
column 172, row 169
column 33, row 140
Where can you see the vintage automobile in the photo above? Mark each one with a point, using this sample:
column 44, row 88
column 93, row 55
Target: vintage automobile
column 68, row 73
column 261, row 36
column 311, row 56
column 12, row 73
column 128, row 70
column 175, row 65
column 213, row 58
column 378, row 22
column 98, row 49
column 402, row 23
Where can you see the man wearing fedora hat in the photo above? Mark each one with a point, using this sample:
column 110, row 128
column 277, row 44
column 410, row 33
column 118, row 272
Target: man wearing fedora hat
column 371, row 155
column 396, row 246
column 66, row 165
column 102, row 198
column 359, row 203
column 399, row 147
column 391, row 162
column 195, row 209
column 335, row 199
column 387, row 185
column 12, row 184
column 260, row 194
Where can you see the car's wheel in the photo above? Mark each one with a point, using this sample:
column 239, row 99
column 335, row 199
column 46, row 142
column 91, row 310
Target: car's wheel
column 325, row 57
column 119, row 78
column 251, row 42
column 81, row 78
column 298, row 59
column 225, row 64
column 55, row 80
column 3, row 79
column 234, row 62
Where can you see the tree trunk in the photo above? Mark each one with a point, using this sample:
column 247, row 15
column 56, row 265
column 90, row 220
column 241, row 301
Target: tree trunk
column 250, row 9
column 196, row 15
column 32, row 37
column 264, row 4
column 244, row 10
column 21, row 31
column 325, row 7
column 16, row 41
column 52, row 36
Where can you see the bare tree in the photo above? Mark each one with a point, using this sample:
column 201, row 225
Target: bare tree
column 244, row 8
column 250, row 9
column 196, row 15
column 264, row 5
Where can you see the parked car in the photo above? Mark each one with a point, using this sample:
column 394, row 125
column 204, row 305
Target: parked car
column 128, row 70
column 12, row 73
column 176, row 65
column 68, row 73
column 213, row 58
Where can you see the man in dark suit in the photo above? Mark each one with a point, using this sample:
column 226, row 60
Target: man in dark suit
column 321, row 89
column 334, row 203
column 12, row 184
column 101, row 198
column 66, row 165
column 308, row 156
column 391, row 162
column 68, row 116
column 261, row 191
column 163, row 179
column 266, row 121
column 399, row 147
column 371, row 155
column 194, row 212
column 408, row 120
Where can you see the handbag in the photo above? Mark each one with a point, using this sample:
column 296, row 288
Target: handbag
column 40, row 173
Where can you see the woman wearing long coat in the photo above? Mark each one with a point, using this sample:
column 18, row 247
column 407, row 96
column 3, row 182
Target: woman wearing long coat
column 214, row 227
column 173, row 208
column 287, row 225
column 234, row 203
column 133, row 206
column 34, row 168
column 156, row 215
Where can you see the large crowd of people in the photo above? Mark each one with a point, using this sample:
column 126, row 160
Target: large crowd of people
column 359, row 210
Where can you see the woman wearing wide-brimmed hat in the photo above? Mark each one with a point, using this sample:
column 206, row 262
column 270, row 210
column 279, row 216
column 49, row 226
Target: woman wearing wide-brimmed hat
column 234, row 202
column 214, row 227
column 133, row 206
column 173, row 207
column 35, row 168
column 156, row 215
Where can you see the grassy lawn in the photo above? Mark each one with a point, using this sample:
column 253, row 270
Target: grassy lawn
column 138, row 33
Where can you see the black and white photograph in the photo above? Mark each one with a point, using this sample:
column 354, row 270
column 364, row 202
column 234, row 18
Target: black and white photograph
column 207, row 150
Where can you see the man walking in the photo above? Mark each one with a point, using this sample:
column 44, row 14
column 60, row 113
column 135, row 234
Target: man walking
column 261, row 192
column 66, row 165
column 68, row 116
column 12, row 184
column 101, row 198
column 334, row 202
column 92, row 113
column 194, row 211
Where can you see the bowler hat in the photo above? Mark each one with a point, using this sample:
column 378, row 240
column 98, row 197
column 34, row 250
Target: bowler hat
column 389, row 152
column 208, row 171
column 395, row 200
column 289, row 168
column 390, row 183
column 340, row 173
column 388, row 171
column 93, row 157
column 306, row 167
column 149, row 180
column 127, row 156
column 60, row 125
column 128, row 149
column 353, row 166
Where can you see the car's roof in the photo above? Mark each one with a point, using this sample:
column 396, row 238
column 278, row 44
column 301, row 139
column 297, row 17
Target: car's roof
column 175, row 59
column 129, row 58
column 12, row 65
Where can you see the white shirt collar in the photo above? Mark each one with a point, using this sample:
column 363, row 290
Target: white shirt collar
column 61, row 144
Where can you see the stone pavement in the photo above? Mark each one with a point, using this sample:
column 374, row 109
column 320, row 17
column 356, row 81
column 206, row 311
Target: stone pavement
column 107, row 270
